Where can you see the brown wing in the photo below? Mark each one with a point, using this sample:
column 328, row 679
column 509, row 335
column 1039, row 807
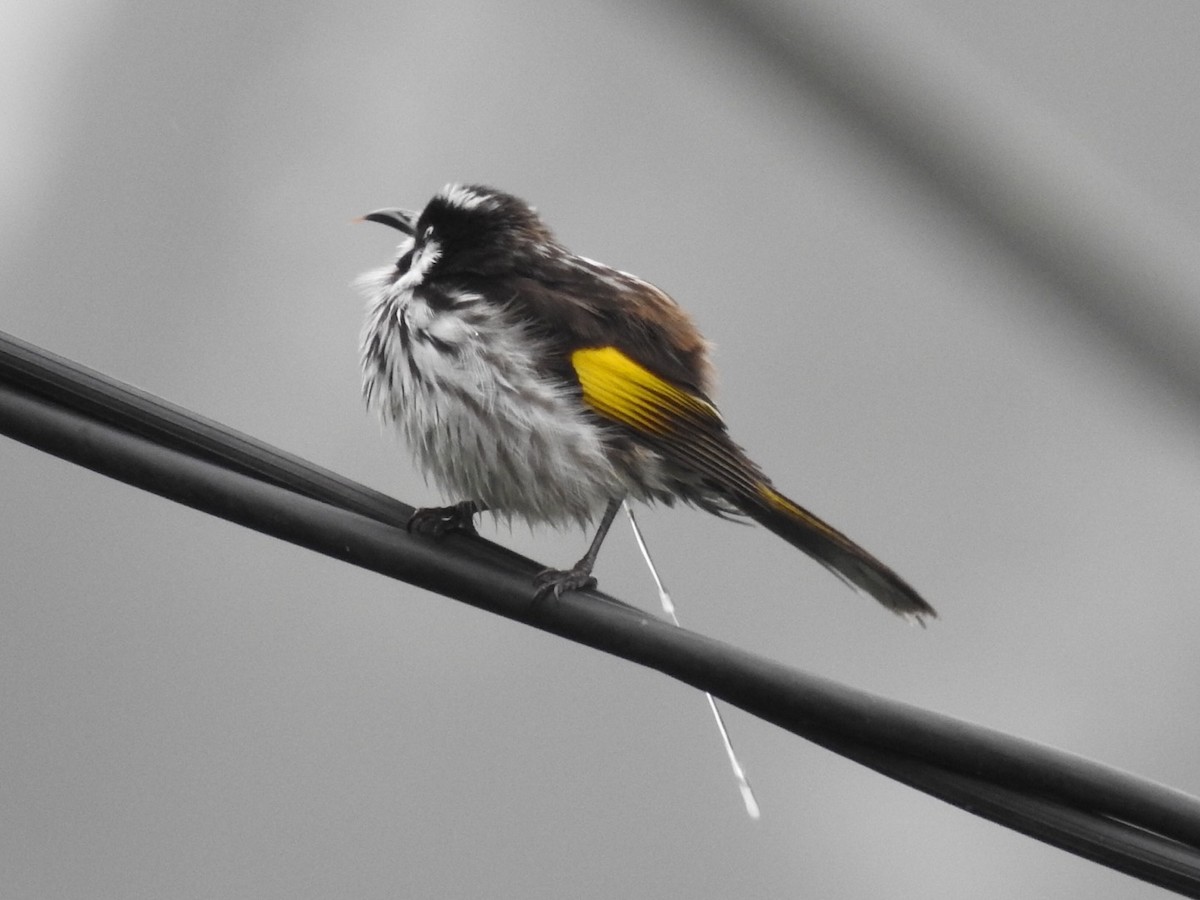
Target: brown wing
column 580, row 303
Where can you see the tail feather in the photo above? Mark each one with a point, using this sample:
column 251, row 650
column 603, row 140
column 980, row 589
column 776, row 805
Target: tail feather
column 835, row 551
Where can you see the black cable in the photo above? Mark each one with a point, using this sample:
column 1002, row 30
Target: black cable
column 94, row 396
column 1122, row 821
column 76, row 387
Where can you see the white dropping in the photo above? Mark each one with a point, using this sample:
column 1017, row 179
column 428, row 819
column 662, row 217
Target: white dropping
column 739, row 773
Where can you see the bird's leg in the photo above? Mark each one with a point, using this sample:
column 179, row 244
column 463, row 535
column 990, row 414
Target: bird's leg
column 579, row 576
column 438, row 521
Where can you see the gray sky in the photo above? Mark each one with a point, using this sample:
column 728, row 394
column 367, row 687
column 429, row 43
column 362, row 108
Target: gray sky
column 192, row 710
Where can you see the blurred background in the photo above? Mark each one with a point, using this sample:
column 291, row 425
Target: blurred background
column 193, row 710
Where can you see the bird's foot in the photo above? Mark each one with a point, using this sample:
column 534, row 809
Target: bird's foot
column 560, row 581
column 438, row 521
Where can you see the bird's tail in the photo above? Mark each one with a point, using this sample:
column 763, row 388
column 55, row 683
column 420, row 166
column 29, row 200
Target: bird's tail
column 834, row 550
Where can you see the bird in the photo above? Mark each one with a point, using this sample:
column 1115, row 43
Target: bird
column 535, row 383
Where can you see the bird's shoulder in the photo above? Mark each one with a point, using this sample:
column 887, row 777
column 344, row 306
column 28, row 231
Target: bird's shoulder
column 574, row 303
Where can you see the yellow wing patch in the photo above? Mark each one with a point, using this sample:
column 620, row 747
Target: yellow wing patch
column 619, row 388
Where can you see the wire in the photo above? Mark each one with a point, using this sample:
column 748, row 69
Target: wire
column 1098, row 812
column 72, row 387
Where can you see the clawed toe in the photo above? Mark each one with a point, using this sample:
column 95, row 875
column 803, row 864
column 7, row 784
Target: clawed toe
column 560, row 581
column 438, row 521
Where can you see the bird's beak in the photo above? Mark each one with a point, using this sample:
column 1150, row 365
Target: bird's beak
column 400, row 219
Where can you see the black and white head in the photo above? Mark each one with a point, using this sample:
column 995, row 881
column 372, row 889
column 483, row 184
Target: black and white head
column 467, row 230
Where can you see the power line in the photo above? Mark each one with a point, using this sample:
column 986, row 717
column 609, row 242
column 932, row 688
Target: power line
column 1127, row 823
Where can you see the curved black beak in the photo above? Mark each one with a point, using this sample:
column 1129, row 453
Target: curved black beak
column 401, row 219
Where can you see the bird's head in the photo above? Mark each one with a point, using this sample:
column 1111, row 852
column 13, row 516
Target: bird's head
column 469, row 230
